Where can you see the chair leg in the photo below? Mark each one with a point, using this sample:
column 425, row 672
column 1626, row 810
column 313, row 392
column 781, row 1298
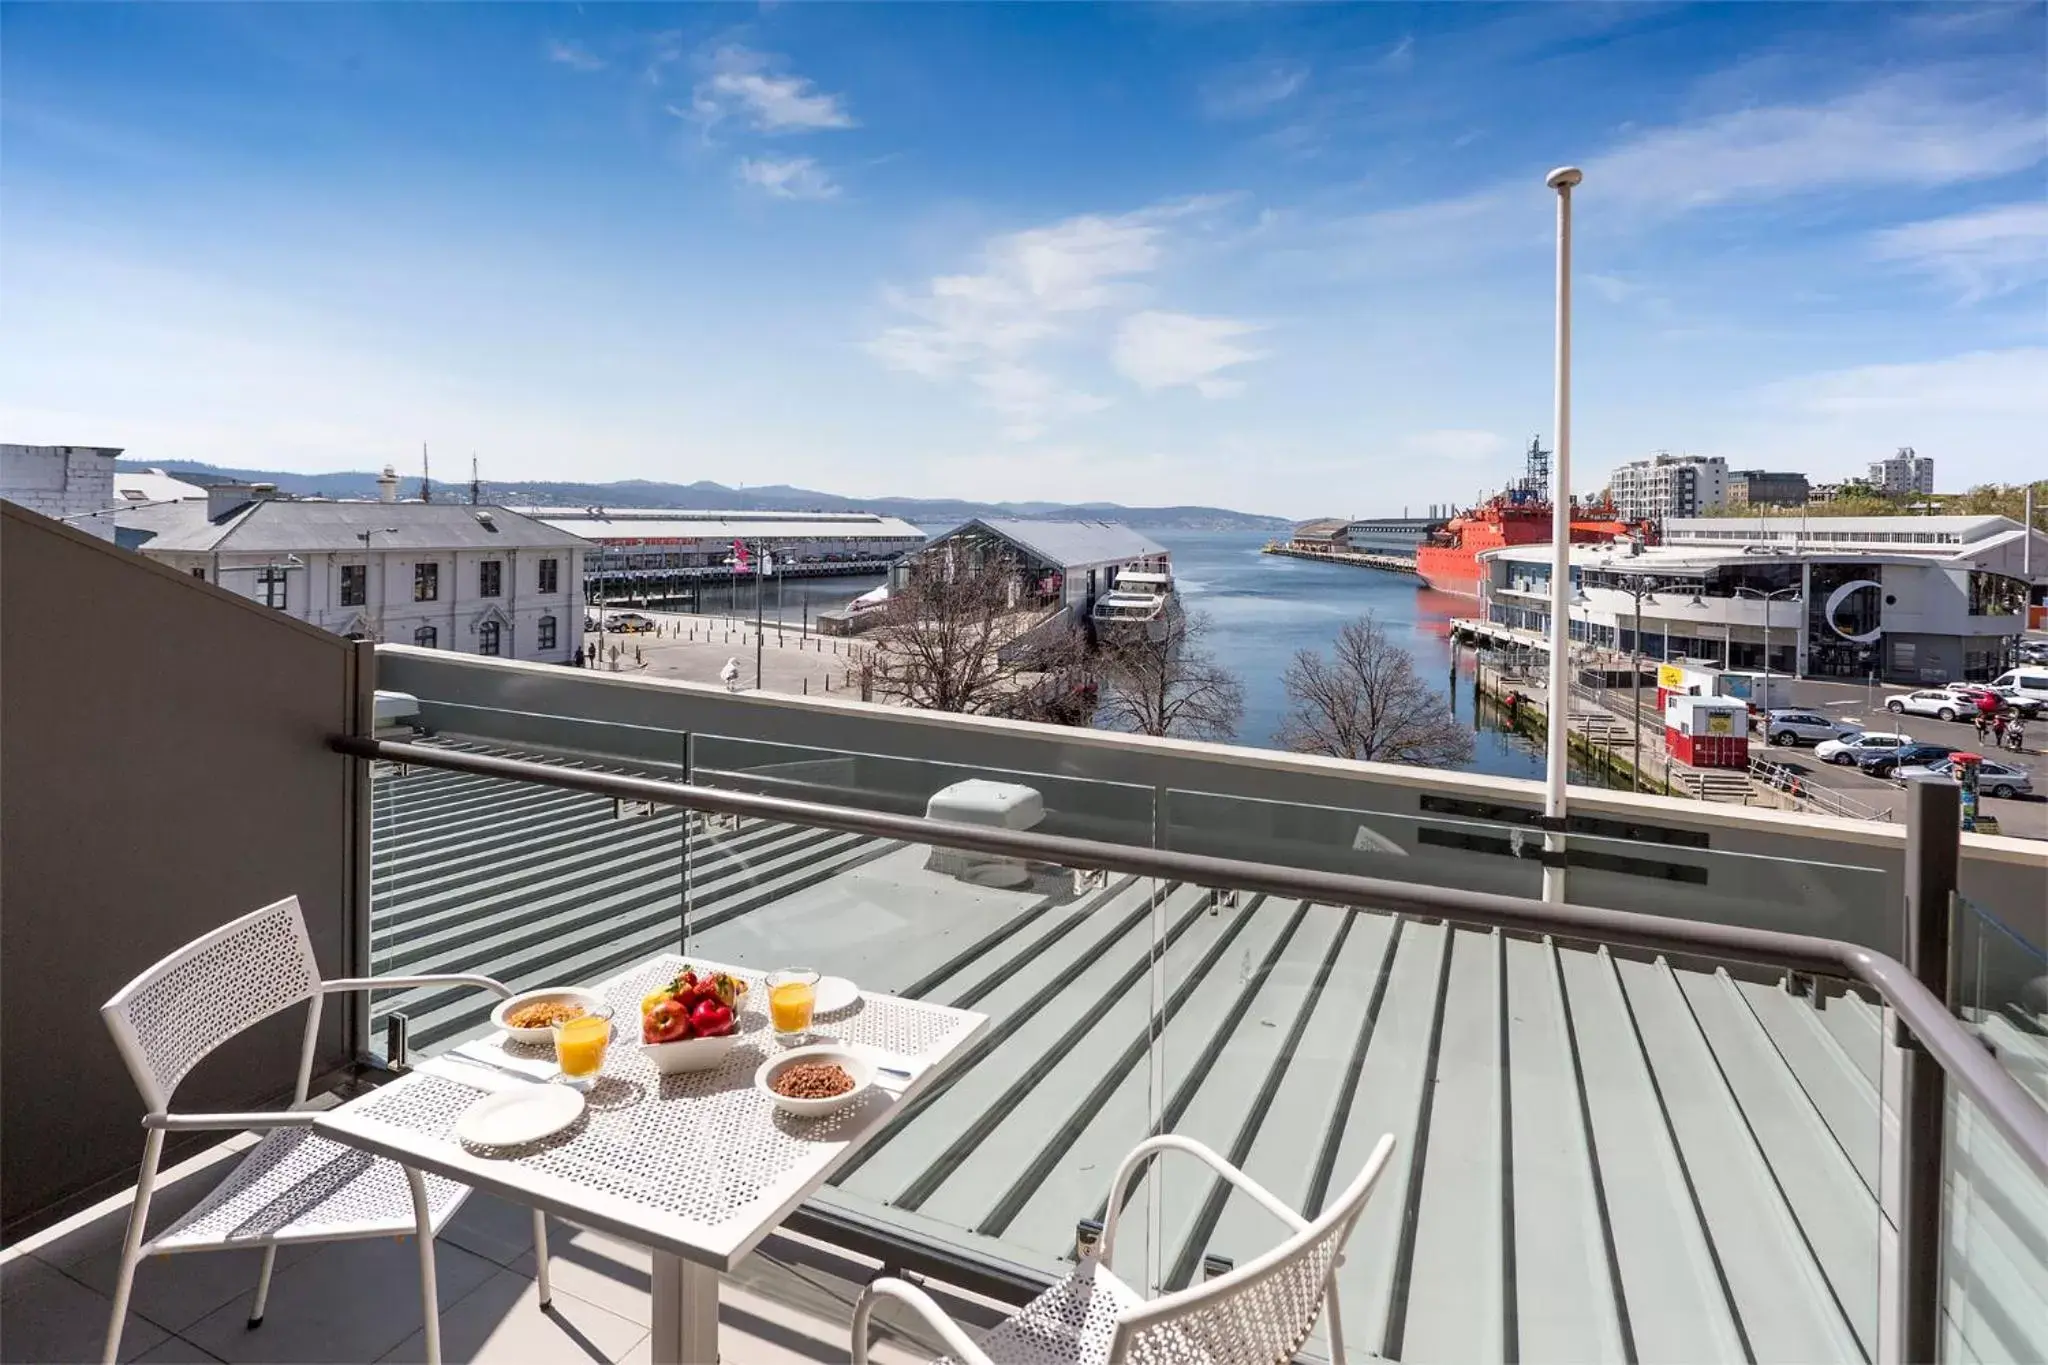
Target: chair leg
column 263, row 1286
column 540, row 1257
column 131, row 1245
column 430, row 1298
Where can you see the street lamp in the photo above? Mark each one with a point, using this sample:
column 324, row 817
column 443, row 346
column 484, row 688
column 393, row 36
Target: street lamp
column 383, row 580
column 1641, row 588
column 1767, row 598
column 1555, row 756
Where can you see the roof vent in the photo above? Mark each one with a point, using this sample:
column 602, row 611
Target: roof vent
column 487, row 521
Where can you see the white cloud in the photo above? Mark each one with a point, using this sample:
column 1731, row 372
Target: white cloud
column 1453, row 443
column 1899, row 131
column 1036, row 290
column 1157, row 350
column 1983, row 253
column 1252, row 90
column 2012, row 382
column 575, row 55
column 1979, row 414
column 1401, row 55
column 743, row 84
column 798, row 177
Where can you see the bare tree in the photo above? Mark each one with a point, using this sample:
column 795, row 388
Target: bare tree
column 953, row 640
column 1366, row 701
column 1172, row 688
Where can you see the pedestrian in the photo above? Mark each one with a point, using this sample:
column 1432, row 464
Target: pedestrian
column 1998, row 731
column 730, row 675
column 2016, row 735
column 637, row 660
column 1983, row 727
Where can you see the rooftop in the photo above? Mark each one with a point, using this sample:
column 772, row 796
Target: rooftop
column 1585, row 1133
column 1071, row 544
column 282, row 525
column 657, row 523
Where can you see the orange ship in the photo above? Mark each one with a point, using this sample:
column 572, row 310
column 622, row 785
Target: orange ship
column 1449, row 560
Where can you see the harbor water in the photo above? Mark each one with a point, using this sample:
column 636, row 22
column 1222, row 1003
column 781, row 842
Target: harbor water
column 1263, row 609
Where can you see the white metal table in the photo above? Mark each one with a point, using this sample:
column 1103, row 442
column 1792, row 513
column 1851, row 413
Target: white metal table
column 698, row 1168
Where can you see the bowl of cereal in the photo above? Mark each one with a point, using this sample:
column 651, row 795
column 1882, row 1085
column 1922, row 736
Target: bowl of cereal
column 530, row 1016
column 811, row 1082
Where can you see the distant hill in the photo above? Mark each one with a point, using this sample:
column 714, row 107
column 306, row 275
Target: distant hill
column 719, row 497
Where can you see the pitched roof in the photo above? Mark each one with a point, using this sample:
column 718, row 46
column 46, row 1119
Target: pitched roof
column 1070, row 542
column 284, row 525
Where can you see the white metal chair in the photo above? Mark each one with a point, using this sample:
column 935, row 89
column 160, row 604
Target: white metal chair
column 293, row 1185
column 1257, row 1314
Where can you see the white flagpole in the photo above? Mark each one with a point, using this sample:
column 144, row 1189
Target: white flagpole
column 1556, row 762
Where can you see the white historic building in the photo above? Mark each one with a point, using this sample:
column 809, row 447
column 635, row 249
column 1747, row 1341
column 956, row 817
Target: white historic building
column 66, row 482
column 479, row 580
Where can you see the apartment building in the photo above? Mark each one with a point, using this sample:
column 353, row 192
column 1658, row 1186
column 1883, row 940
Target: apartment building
column 1666, row 485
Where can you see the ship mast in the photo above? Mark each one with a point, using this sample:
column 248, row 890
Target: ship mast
column 1536, row 472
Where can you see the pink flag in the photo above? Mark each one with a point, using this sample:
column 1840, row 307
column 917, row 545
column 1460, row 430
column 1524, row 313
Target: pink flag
column 739, row 554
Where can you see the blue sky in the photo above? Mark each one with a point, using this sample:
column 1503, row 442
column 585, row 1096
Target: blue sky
column 1291, row 260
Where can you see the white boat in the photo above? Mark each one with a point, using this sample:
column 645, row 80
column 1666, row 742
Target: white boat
column 1142, row 606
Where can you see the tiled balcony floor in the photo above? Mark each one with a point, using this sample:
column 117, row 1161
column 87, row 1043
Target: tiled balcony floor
column 359, row 1301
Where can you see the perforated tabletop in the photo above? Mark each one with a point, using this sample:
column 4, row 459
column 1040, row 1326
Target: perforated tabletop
column 701, row 1165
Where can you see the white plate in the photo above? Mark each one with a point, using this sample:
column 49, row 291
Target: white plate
column 522, row 1114
column 835, row 993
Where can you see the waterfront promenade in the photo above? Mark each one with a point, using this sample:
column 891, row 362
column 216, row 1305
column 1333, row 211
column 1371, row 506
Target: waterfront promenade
column 1385, row 563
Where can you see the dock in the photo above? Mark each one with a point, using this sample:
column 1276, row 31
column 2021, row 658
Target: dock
column 1385, row 563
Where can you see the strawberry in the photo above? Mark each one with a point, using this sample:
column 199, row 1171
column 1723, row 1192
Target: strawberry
column 711, row 1018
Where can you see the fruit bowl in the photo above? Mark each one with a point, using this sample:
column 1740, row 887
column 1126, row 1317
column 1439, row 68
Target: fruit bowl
column 689, row 1054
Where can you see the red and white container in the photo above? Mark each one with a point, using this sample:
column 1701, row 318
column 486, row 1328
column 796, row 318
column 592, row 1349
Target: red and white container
column 1707, row 732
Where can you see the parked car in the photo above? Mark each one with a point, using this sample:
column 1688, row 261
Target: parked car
column 1993, row 778
column 1852, row 748
column 1794, row 727
column 628, row 623
column 2033, row 651
column 1946, row 702
column 1884, row 763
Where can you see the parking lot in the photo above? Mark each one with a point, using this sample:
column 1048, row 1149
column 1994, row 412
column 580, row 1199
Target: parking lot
column 2025, row 816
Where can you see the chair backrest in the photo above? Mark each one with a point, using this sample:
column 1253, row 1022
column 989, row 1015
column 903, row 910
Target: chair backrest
column 1260, row 1313
column 167, row 1019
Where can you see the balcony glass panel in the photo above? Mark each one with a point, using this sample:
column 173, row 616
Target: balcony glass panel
column 1017, row 1143
column 2002, row 989
column 534, row 885
column 1994, row 1294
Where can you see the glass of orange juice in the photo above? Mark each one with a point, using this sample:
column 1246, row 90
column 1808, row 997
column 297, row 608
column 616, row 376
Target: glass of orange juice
column 791, row 997
column 579, row 1046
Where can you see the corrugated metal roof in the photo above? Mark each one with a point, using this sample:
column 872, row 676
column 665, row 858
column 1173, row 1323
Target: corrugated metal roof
column 286, row 525
column 656, row 524
column 1600, row 1158
column 1071, row 544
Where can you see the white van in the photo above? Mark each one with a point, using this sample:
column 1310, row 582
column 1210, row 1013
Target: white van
column 2026, row 682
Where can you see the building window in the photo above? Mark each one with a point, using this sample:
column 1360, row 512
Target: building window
column 550, row 573
column 355, row 584
column 199, row 574
column 487, row 639
column 426, row 637
column 490, row 581
column 426, row 582
column 270, row 587
column 547, row 632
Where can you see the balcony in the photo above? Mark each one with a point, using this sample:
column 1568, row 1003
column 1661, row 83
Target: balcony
column 1650, row 1125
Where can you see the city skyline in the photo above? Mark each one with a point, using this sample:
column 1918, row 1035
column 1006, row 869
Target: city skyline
column 1278, row 260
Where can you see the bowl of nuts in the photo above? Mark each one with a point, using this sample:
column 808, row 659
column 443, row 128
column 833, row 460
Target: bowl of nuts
column 810, row 1082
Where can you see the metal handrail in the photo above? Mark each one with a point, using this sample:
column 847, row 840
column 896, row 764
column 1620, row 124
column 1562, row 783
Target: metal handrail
column 2002, row 1099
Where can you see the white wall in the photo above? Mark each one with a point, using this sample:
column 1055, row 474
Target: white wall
column 61, row 481
column 313, row 594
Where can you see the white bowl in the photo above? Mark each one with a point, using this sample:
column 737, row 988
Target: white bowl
column 861, row 1070
column 689, row 1054
column 590, row 1000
